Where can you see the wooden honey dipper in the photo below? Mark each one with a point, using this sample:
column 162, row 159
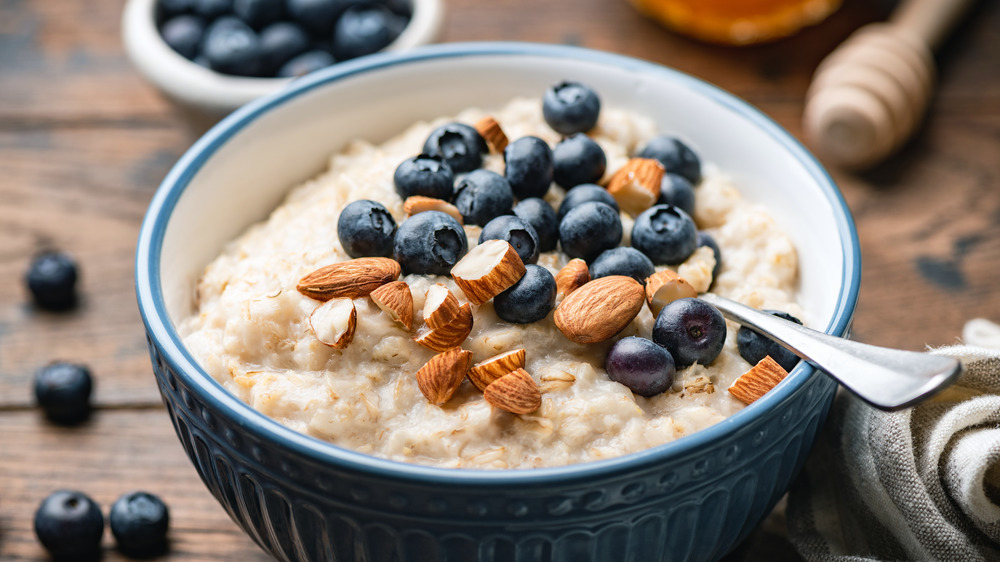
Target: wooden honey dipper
column 868, row 96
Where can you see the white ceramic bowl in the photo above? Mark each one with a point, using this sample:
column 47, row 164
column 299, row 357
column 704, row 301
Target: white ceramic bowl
column 216, row 94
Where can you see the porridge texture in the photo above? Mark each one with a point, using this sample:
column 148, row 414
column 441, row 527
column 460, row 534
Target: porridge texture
column 251, row 331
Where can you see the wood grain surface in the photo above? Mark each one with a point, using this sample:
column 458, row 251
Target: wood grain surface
column 84, row 141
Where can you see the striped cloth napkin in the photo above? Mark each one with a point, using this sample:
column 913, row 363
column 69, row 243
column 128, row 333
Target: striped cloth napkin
column 919, row 484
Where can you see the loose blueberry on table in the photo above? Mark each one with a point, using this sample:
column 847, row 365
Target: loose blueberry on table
column 51, row 280
column 753, row 347
column 69, row 525
column 584, row 193
column 62, row 391
column 139, row 522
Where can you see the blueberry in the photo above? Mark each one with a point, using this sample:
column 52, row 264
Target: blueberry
column 231, row 47
column 692, row 330
column 139, row 522
column 459, row 145
column 753, row 347
column 429, row 243
column 364, row 29
column 69, row 525
column 424, row 175
column 402, row 8
column 705, row 239
column 577, row 159
column 665, row 233
column 62, row 391
column 483, row 195
column 279, row 42
column 366, row 229
column 184, row 34
column 309, row 61
column 676, row 157
column 258, row 13
column 583, row 193
column 646, row 368
column 571, row 107
column 316, row 15
column 542, row 217
column 211, row 9
column 516, row 232
column 169, row 8
column 528, row 300
column 622, row 261
column 676, row 190
column 528, row 162
column 51, row 280
column 589, row 229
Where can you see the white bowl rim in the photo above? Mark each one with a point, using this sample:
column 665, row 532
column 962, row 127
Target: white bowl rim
column 153, row 310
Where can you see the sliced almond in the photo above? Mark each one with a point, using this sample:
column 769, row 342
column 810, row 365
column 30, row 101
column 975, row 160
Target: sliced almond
column 636, row 185
column 600, row 309
column 572, row 276
column 396, row 300
column 440, row 306
column 440, row 377
column 664, row 287
column 755, row 383
column 483, row 373
column 487, row 270
column 490, row 130
column 451, row 334
column 419, row 203
column 349, row 279
column 515, row 392
column 333, row 322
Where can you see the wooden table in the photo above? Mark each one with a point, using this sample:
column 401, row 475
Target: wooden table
column 84, row 142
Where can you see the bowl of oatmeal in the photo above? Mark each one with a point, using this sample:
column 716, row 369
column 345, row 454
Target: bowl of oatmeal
column 326, row 446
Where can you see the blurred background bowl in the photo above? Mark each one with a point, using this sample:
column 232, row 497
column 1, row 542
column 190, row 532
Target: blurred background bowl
column 301, row 498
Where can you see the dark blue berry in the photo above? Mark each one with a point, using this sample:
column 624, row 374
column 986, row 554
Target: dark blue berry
column 583, row 193
column 316, row 15
column 676, row 157
column 211, row 9
column 139, row 523
column 646, row 368
column 692, row 330
column 309, row 61
column 364, row 29
column 753, row 347
column 167, row 9
column 516, row 232
column 429, row 243
column 676, row 190
column 62, row 391
column 542, row 217
column 528, row 162
column 69, row 525
column 424, row 175
column 402, row 8
column 51, row 279
column 259, row 13
column 459, row 145
column 665, row 233
column 366, row 229
column 279, row 42
column 528, row 300
column 571, row 107
column 705, row 239
column 183, row 34
column 231, row 47
column 589, row 229
column 576, row 160
column 483, row 195
column 622, row 261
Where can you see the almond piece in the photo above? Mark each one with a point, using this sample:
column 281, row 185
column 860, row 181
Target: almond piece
column 487, row 270
column 636, row 185
column 755, row 383
column 419, row 203
column 664, row 287
column 451, row 334
column 600, row 309
column 440, row 306
column 333, row 322
column 515, row 392
column 572, row 276
column 396, row 300
column 483, row 373
column 349, row 279
column 440, row 377
column 490, row 130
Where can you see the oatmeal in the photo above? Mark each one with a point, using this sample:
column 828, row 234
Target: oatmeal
column 251, row 328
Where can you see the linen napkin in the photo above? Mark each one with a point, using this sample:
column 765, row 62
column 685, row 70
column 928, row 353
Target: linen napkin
column 918, row 484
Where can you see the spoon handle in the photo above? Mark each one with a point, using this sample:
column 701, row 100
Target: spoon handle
column 889, row 379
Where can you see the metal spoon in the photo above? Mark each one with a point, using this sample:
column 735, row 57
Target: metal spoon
column 889, row 379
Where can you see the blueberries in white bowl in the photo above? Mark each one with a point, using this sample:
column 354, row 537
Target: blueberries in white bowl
column 528, row 162
column 363, row 29
column 424, row 175
column 429, row 243
column 622, row 261
column 281, row 42
column 528, row 300
column 583, row 193
column 184, row 34
column 571, row 107
column 231, row 47
column 578, row 159
column 459, row 145
column 366, row 229
column 676, row 157
column 309, row 61
column 483, row 195
column 665, row 233
column 676, row 190
column 589, row 229
column 542, row 217
column 516, row 232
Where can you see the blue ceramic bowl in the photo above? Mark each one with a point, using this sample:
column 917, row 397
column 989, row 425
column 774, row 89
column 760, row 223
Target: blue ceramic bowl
column 304, row 499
